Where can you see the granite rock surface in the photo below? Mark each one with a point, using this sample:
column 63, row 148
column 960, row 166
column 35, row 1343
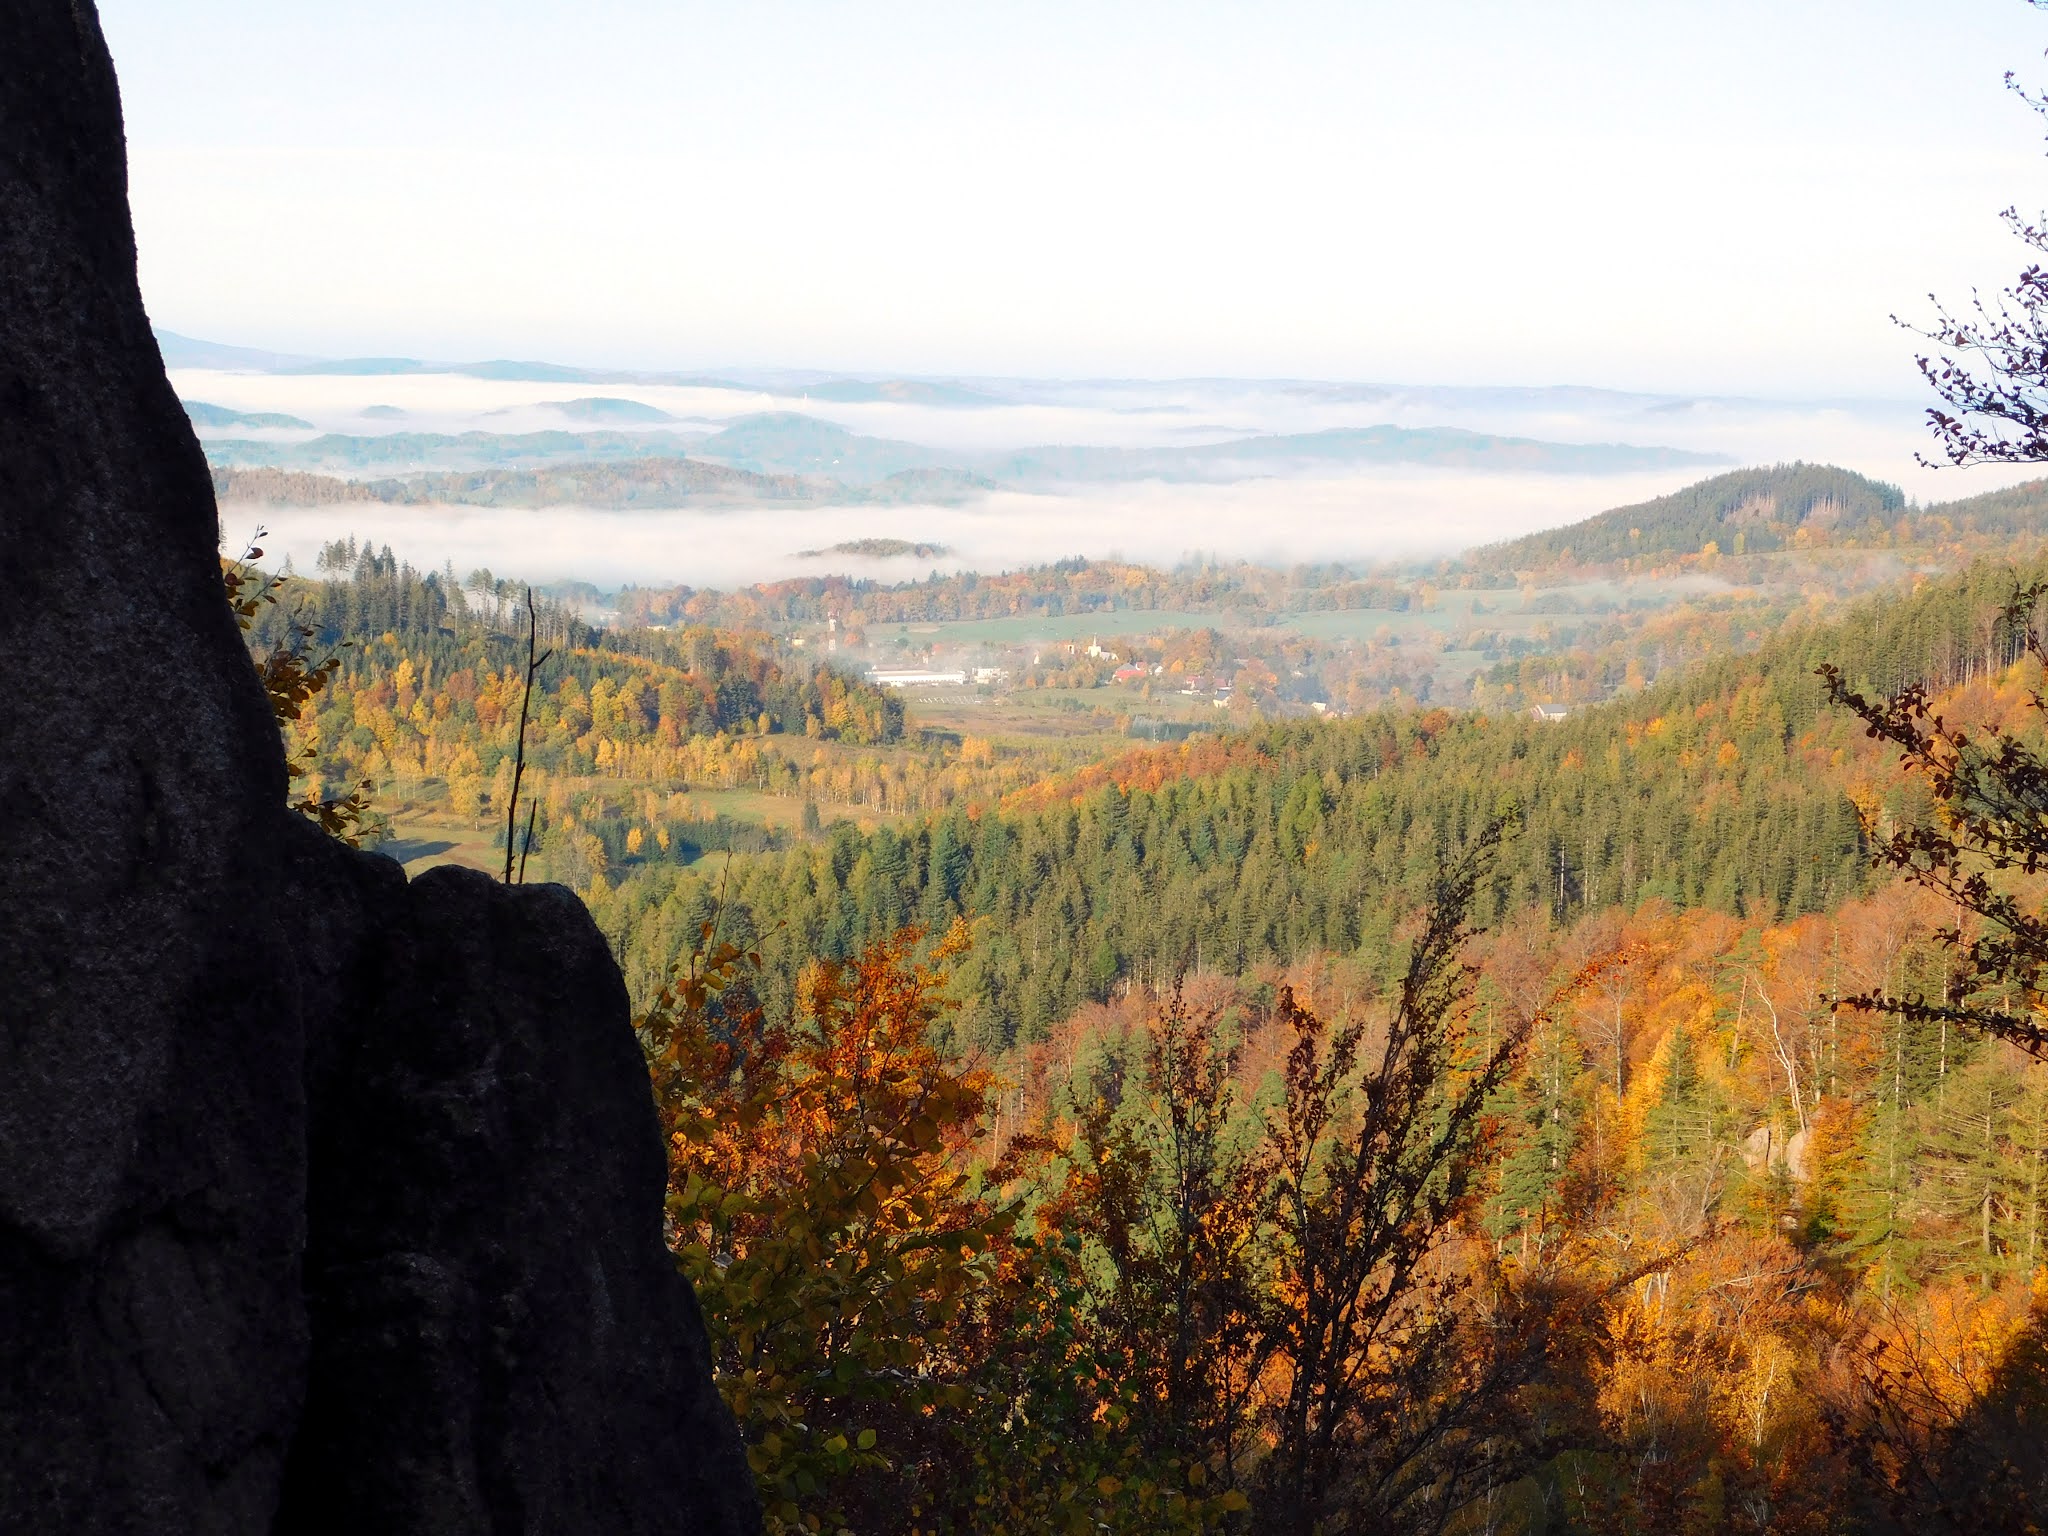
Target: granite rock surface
column 327, row 1201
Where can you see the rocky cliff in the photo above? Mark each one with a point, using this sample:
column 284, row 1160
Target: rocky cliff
column 327, row 1201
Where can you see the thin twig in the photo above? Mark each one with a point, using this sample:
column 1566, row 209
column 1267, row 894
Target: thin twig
column 533, row 666
column 527, row 846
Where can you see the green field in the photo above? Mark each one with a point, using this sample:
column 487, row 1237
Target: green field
column 423, row 838
column 420, row 840
column 1053, row 627
column 1506, row 609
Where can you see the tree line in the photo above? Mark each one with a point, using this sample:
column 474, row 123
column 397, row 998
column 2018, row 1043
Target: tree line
column 1733, row 787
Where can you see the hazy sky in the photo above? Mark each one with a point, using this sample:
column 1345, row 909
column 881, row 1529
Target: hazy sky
column 1644, row 193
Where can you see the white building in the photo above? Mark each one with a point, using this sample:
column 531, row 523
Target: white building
column 910, row 677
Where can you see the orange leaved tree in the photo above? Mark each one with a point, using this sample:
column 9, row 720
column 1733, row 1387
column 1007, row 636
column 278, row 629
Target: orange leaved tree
column 902, row 1355
column 819, row 1203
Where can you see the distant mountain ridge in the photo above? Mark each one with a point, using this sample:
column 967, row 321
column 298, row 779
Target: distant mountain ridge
column 654, row 484
column 389, row 453
column 790, row 443
column 960, row 391
column 650, row 484
column 189, row 352
column 1279, row 453
column 785, row 441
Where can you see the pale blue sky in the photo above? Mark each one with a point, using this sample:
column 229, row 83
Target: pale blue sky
column 1720, row 196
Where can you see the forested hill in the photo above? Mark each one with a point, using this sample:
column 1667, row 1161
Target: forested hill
column 1751, row 510
column 1242, row 591
column 1729, row 788
column 1755, row 511
column 431, row 673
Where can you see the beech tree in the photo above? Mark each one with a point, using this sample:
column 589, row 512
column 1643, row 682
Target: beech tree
column 1981, row 850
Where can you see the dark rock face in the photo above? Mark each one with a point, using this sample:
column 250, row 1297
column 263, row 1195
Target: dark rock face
column 327, row 1202
column 486, row 1199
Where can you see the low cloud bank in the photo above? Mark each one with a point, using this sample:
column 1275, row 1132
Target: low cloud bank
column 1394, row 515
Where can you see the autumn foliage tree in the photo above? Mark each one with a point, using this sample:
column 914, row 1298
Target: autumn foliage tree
column 819, row 1205
column 1222, row 1308
column 1991, row 793
column 1981, row 850
column 1948, row 1436
column 899, row 1355
column 1291, row 1275
column 1384, row 1424
column 1171, row 1204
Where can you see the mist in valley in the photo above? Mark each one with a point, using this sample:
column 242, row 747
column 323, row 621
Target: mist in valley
column 1358, row 514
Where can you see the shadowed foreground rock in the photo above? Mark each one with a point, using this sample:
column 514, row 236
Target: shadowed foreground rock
column 327, row 1202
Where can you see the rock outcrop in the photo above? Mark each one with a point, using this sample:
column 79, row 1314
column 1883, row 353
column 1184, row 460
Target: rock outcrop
column 327, row 1201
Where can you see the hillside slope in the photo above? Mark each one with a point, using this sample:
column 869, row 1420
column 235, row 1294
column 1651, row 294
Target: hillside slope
column 1729, row 788
column 1751, row 510
column 1761, row 510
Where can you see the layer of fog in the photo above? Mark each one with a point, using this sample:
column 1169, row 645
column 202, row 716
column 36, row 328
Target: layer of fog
column 1386, row 515
column 1383, row 514
column 1877, row 437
